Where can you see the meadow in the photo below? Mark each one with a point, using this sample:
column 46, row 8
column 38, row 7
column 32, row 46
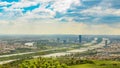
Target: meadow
column 99, row 64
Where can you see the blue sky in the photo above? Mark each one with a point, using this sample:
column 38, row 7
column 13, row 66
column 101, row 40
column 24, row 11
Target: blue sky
column 59, row 16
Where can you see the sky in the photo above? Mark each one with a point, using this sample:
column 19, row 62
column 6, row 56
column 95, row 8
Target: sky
column 60, row 17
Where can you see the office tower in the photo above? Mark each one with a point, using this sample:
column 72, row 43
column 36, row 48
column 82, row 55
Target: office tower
column 58, row 40
column 105, row 42
column 80, row 38
column 106, row 53
column 64, row 41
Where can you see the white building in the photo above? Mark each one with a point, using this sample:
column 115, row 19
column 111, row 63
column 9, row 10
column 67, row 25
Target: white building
column 30, row 44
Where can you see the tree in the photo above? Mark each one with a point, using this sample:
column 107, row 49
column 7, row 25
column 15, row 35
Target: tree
column 42, row 63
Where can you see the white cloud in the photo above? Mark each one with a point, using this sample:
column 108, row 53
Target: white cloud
column 40, row 12
column 10, row 12
column 5, row 3
column 36, row 15
column 63, row 5
column 103, row 8
column 41, row 20
column 46, row 13
column 88, row 0
column 1, row 14
column 100, row 11
column 23, row 4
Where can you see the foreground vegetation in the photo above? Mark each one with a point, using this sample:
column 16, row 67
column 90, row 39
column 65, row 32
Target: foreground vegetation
column 99, row 64
column 61, row 62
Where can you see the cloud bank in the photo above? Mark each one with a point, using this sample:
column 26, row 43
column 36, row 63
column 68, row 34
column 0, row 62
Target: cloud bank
column 60, row 17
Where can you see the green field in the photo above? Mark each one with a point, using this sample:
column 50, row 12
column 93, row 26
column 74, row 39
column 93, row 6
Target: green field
column 99, row 64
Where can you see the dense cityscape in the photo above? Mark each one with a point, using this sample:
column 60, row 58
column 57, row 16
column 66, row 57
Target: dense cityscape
column 90, row 47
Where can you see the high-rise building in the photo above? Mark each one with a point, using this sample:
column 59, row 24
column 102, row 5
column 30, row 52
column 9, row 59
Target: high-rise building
column 106, row 43
column 58, row 40
column 64, row 41
column 80, row 38
column 106, row 53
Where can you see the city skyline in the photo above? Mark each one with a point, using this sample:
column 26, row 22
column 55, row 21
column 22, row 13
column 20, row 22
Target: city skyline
column 60, row 17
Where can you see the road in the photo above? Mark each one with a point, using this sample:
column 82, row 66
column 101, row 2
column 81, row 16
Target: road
column 30, row 52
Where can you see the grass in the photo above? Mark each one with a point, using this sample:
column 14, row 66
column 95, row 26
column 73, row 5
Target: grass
column 99, row 64
column 82, row 66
